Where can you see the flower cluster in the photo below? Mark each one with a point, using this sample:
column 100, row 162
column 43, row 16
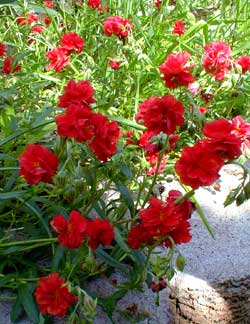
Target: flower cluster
column 81, row 123
column 161, row 220
column 161, row 116
column 59, row 56
column 200, row 164
column 118, row 26
column 52, row 295
column 73, row 233
column 9, row 64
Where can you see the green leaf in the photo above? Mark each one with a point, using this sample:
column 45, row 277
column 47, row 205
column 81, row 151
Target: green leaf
column 126, row 195
column 26, row 297
column 125, row 170
column 13, row 194
column 120, row 241
column 16, row 310
column 110, row 260
column 59, row 253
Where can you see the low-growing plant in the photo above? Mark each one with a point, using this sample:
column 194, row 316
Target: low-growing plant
column 99, row 102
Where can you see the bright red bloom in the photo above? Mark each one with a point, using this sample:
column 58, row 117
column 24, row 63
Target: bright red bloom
column 71, row 234
column 160, row 219
column 52, row 295
column 222, row 140
column 49, row 4
column 137, row 236
column 217, row 59
column 217, row 128
column 175, row 71
column 76, row 93
column 76, row 123
column 240, row 128
column 244, row 62
column 151, row 143
column 37, row 29
column 9, row 65
column 161, row 114
column 199, row 165
column 94, row 4
column 202, row 109
column 59, row 59
column 46, row 19
column 114, row 65
column 158, row 3
column 99, row 232
column 71, row 42
column 178, row 28
column 106, row 135
column 22, row 20
column 118, row 26
column 2, row 49
column 37, row 164
column 181, row 234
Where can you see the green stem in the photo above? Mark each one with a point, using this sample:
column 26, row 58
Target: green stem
column 48, row 240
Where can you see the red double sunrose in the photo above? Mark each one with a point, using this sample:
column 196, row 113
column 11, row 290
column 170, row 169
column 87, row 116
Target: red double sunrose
column 162, row 114
column 2, row 49
column 52, row 295
column 84, row 125
column 99, row 232
column 94, row 4
column 178, row 28
column 77, row 93
column 114, row 65
column 118, row 26
column 37, row 164
column 244, row 62
column 9, row 65
column 59, row 56
column 217, row 59
column 160, row 219
column 200, row 164
column 71, row 233
column 176, row 71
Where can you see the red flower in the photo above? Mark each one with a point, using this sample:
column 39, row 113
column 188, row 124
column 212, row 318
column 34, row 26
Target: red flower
column 22, row 20
column 240, row 128
column 2, row 49
column 106, row 135
column 161, row 114
column 99, row 232
column 46, row 19
column 37, row 29
column 178, row 28
column 75, row 123
column 244, row 62
column 202, row 110
column 137, row 236
column 37, row 164
column 71, row 42
column 9, row 65
column 76, row 93
column 158, row 3
column 114, row 65
column 199, row 165
column 160, row 219
column 175, row 71
column 217, row 128
column 217, row 59
column 222, row 140
column 118, row 26
column 181, row 234
column 49, row 4
column 59, row 59
column 95, row 4
column 71, row 234
column 207, row 97
column 53, row 296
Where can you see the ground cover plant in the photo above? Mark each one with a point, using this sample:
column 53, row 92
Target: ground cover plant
column 99, row 101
